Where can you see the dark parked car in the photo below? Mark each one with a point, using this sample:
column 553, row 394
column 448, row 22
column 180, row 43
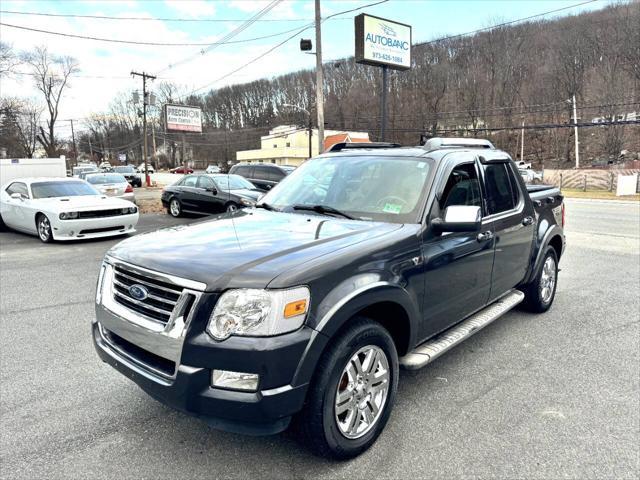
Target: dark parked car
column 185, row 170
column 208, row 194
column 263, row 175
column 361, row 261
column 130, row 174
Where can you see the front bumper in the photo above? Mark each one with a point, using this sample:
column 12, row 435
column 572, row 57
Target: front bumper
column 94, row 227
column 173, row 364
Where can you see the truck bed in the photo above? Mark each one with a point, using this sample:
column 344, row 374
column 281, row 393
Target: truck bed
column 544, row 195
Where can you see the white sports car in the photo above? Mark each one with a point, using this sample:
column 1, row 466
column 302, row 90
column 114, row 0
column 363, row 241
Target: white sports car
column 64, row 209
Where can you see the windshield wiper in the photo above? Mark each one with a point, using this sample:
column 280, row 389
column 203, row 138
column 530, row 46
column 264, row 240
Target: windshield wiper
column 266, row 206
column 323, row 209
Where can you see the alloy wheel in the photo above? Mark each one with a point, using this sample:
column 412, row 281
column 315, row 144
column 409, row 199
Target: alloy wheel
column 44, row 229
column 548, row 279
column 362, row 392
column 174, row 206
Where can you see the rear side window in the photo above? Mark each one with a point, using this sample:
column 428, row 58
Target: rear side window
column 261, row 173
column 500, row 194
column 271, row 173
column 244, row 170
column 205, row 182
column 18, row 187
column 190, row 181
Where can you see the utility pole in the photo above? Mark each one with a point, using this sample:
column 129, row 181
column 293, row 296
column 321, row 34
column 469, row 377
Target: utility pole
column 575, row 130
column 319, row 80
column 153, row 139
column 144, row 120
column 75, row 151
column 90, row 149
column 522, row 143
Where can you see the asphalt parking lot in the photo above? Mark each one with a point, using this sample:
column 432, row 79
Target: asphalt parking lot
column 550, row 396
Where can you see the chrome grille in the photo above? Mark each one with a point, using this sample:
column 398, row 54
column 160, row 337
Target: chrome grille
column 161, row 299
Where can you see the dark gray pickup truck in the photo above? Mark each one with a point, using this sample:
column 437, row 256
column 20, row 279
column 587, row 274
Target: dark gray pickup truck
column 363, row 260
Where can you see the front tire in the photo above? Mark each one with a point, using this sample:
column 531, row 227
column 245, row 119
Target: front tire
column 351, row 398
column 541, row 292
column 44, row 228
column 175, row 207
column 231, row 207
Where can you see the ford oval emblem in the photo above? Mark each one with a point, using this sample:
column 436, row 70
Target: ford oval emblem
column 138, row 292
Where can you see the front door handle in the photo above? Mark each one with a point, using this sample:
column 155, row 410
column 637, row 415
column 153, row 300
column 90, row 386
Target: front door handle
column 527, row 221
column 483, row 237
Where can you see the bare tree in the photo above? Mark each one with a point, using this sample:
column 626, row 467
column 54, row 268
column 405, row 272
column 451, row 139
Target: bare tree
column 8, row 59
column 18, row 126
column 51, row 76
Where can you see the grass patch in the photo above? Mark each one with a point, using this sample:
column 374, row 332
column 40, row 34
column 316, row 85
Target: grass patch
column 597, row 194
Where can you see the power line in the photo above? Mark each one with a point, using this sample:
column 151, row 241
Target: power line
column 504, row 24
column 136, row 42
column 227, row 37
column 264, row 54
column 107, row 17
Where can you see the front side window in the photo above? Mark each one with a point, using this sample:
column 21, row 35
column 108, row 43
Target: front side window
column 62, row 189
column 380, row 188
column 500, row 196
column 462, row 187
column 18, row 187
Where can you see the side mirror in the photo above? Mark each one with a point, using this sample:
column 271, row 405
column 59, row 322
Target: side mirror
column 459, row 218
column 213, row 190
column 16, row 196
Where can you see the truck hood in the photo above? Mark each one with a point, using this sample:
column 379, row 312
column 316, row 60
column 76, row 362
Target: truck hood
column 246, row 249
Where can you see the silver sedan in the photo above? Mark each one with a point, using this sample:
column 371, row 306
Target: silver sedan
column 112, row 184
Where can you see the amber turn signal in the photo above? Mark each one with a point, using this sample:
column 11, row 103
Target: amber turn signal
column 293, row 309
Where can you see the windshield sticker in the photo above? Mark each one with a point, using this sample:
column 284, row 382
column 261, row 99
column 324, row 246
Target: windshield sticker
column 421, row 164
column 392, row 208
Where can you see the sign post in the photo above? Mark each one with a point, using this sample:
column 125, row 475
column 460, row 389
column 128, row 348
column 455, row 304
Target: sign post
column 182, row 119
column 382, row 43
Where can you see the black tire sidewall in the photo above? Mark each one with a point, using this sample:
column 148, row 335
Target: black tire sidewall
column 534, row 300
column 366, row 333
column 226, row 207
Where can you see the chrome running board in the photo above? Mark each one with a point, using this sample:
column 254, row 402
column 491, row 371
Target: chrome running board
column 432, row 349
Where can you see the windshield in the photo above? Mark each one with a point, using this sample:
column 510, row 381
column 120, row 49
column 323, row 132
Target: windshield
column 233, row 182
column 77, row 170
column 107, row 178
column 125, row 169
column 388, row 189
column 61, row 189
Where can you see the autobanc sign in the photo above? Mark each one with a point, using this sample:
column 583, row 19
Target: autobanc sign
column 382, row 42
column 182, row 118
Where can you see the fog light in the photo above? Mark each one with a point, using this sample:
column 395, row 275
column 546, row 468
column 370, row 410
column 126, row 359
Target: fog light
column 234, row 380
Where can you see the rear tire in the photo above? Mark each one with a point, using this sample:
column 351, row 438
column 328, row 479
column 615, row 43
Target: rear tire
column 346, row 411
column 43, row 225
column 540, row 293
column 175, row 207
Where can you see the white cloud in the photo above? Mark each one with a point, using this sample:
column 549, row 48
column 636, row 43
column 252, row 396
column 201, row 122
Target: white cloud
column 192, row 8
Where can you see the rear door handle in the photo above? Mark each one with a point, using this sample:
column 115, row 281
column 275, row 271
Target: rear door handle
column 527, row 221
column 483, row 237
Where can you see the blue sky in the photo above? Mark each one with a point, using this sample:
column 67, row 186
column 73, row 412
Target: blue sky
column 430, row 19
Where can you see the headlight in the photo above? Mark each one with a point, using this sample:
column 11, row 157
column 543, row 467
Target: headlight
column 68, row 215
column 253, row 312
column 133, row 209
column 129, row 210
column 247, row 202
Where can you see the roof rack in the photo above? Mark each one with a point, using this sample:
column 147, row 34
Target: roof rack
column 338, row 147
column 441, row 142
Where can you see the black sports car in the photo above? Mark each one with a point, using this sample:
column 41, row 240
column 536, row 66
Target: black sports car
column 130, row 174
column 209, row 193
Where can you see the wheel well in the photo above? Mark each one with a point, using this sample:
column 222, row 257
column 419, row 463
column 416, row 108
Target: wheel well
column 394, row 318
column 556, row 243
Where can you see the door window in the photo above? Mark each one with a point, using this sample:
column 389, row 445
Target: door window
column 500, row 196
column 18, row 187
column 462, row 188
column 205, row 182
column 190, row 181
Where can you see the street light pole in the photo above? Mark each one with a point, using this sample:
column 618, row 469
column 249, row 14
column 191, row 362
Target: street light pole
column 319, row 80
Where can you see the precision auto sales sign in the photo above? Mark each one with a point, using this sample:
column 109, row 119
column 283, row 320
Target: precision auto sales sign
column 382, row 42
column 181, row 118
